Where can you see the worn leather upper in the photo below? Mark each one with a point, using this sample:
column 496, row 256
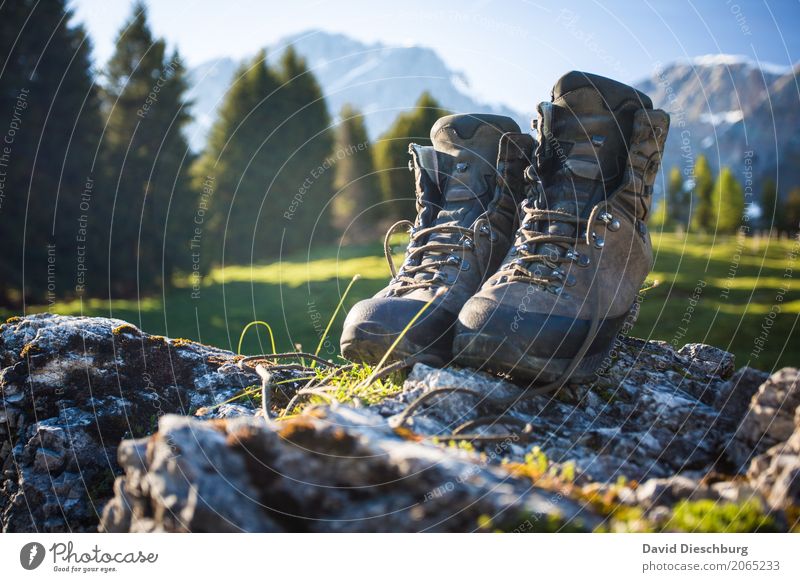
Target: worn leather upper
column 471, row 177
column 600, row 144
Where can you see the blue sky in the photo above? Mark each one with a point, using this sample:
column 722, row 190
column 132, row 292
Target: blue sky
column 511, row 51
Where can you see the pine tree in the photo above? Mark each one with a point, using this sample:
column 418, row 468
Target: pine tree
column 678, row 204
column 356, row 184
column 306, row 142
column 791, row 211
column 703, row 213
column 769, row 205
column 237, row 168
column 52, row 108
column 659, row 219
column 145, row 153
column 728, row 202
column 391, row 153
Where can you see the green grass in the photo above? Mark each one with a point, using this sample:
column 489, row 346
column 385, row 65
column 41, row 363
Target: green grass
column 297, row 297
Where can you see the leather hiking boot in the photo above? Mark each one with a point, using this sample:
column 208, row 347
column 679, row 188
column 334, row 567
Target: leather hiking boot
column 552, row 310
column 468, row 187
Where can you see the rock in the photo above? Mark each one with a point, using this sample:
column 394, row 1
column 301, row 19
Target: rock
column 635, row 421
column 705, row 359
column 733, row 398
column 328, row 470
column 72, row 388
column 770, row 418
column 776, row 473
column 666, row 492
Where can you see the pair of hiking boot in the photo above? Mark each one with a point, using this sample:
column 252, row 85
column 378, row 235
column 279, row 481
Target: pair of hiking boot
column 530, row 253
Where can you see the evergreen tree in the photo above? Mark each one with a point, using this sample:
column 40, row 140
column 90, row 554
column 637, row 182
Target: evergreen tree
column 676, row 195
column 146, row 150
column 48, row 147
column 235, row 171
column 659, row 219
column 703, row 212
column 769, row 205
column 306, row 144
column 391, row 153
column 728, row 202
column 791, row 211
column 355, row 184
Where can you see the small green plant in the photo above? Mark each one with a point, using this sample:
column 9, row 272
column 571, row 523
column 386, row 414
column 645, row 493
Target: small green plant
column 251, row 324
column 537, row 460
column 707, row 516
column 350, row 386
column 355, row 278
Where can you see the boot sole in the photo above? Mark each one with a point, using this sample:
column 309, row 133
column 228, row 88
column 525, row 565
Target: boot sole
column 359, row 344
column 496, row 355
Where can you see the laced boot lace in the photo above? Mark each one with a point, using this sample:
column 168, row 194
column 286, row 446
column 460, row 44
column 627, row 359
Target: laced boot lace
column 427, row 254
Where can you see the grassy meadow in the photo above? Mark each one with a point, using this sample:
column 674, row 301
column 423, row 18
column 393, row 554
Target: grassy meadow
column 735, row 293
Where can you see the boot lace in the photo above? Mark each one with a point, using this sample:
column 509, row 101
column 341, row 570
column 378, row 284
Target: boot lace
column 545, row 269
column 442, row 253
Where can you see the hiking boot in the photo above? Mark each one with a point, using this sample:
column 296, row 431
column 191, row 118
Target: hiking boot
column 468, row 187
column 552, row 310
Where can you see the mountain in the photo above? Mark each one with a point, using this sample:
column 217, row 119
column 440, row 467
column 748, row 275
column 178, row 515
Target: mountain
column 721, row 105
column 381, row 80
column 725, row 106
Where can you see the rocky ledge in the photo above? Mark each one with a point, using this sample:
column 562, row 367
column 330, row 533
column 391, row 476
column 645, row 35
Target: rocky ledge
column 105, row 426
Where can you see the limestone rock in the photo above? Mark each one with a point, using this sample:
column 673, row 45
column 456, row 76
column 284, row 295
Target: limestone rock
column 329, row 470
column 72, row 388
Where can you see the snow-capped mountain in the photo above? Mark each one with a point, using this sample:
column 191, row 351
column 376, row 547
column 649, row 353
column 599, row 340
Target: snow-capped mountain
column 725, row 106
column 381, row 80
column 721, row 105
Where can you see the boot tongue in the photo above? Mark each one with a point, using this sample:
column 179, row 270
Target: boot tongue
column 467, row 147
column 584, row 136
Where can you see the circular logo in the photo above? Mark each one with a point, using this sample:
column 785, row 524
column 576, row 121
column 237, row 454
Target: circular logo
column 31, row 555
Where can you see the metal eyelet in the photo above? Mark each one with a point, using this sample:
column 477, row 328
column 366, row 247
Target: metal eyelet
column 570, row 281
column 453, row 260
column 464, row 266
column 485, row 230
column 462, row 167
column 611, row 223
column 599, row 242
column 584, row 260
